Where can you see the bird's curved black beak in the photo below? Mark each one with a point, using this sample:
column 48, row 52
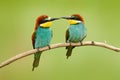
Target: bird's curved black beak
column 52, row 19
column 68, row 17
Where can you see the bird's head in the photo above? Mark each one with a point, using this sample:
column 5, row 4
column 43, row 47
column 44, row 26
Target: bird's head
column 44, row 21
column 74, row 19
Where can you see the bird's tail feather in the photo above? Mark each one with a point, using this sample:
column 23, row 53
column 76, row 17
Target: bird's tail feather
column 36, row 59
column 69, row 51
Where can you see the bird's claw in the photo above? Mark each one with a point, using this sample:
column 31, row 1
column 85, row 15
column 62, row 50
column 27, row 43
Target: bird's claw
column 37, row 49
column 81, row 43
column 49, row 47
column 70, row 43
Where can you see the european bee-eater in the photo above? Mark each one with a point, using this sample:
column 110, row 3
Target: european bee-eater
column 41, row 36
column 76, row 32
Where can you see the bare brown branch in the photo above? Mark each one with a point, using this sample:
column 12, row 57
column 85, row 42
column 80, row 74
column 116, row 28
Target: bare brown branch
column 53, row 46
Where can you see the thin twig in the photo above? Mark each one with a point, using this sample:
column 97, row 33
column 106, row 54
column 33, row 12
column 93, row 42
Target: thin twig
column 53, row 46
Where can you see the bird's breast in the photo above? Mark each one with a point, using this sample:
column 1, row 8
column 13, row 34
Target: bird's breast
column 43, row 37
column 77, row 33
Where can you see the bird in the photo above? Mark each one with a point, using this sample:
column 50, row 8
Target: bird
column 41, row 36
column 76, row 31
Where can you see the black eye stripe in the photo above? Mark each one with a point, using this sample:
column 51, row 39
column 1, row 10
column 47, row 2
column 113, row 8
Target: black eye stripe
column 43, row 21
column 74, row 18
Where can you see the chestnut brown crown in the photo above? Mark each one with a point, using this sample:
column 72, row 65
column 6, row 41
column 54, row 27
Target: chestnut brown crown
column 40, row 20
column 77, row 17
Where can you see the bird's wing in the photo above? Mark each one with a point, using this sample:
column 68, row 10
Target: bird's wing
column 67, row 36
column 52, row 33
column 84, row 31
column 33, row 39
column 84, row 37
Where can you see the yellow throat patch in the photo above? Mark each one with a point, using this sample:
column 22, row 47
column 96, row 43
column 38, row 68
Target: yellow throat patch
column 73, row 21
column 45, row 25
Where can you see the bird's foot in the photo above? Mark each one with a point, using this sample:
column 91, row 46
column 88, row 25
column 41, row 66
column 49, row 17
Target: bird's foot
column 70, row 43
column 81, row 43
column 37, row 49
column 49, row 47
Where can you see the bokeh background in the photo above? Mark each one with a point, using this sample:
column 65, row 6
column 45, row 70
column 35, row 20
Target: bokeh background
column 102, row 19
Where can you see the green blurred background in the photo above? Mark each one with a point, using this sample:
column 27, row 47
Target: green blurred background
column 102, row 19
